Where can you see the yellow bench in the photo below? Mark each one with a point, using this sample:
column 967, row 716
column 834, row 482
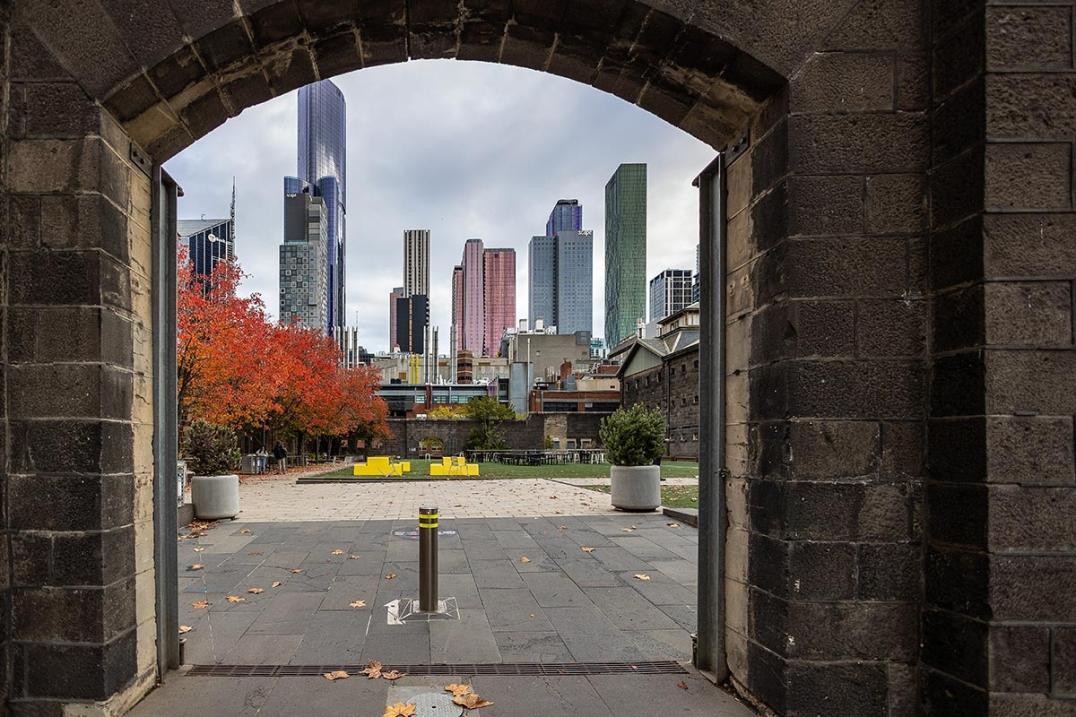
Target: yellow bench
column 382, row 467
column 453, row 466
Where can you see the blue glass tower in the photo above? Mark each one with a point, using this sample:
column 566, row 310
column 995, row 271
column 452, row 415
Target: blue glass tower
column 322, row 168
column 567, row 216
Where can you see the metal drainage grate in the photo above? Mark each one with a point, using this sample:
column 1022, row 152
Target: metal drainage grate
column 548, row 669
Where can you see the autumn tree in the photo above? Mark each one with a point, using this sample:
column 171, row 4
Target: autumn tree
column 237, row 368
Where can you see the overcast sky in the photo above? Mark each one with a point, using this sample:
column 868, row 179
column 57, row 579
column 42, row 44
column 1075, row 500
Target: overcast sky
column 464, row 149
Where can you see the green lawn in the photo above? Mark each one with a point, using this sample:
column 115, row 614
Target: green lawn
column 420, row 468
column 672, row 496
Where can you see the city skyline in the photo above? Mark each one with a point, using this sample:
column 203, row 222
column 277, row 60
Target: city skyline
column 469, row 171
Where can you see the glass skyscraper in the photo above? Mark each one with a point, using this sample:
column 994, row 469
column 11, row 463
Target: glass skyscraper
column 208, row 241
column 625, row 252
column 322, row 169
column 567, row 215
column 575, row 281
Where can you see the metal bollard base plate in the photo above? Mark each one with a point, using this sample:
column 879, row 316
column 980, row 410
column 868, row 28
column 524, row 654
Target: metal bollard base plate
column 406, row 610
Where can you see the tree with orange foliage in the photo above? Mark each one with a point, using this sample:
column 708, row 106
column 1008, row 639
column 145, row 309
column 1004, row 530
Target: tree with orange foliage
column 236, row 368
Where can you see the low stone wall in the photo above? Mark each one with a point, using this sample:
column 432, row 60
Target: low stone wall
column 529, row 434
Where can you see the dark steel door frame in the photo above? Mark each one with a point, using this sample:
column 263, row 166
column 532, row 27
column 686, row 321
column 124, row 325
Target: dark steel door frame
column 710, row 655
column 165, row 429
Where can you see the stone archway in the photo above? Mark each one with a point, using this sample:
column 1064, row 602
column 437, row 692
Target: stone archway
column 901, row 360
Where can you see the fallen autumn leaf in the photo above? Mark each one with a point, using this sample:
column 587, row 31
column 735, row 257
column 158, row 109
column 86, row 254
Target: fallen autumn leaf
column 524, row 560
column 390, row 576
column 392, row 675
column 642, row 576
column 196, row 566
column 184, row 629
column 358, row 603
column 235, row 599
column 400, row 709
column 295, row 571
column 277, row 583
column 373, row 669
column 471, row 701
column 457, row 689
column 200, row 604
column 336, row 675
column 338, row 551
column 586, row 548
column 256, row 591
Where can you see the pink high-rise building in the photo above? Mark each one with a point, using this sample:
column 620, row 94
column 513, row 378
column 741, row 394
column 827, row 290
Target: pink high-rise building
column 474, row 315
column 457, row 305
column 499, row 294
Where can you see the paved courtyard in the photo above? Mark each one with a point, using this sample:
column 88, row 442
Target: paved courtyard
column 285, row 500
column 591, row 587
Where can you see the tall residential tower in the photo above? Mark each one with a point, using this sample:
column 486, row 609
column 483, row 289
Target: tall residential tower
column 625, row 252
column 670, row 291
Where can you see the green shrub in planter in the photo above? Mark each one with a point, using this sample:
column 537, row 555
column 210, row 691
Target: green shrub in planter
column 633, row 437
column 210, row 449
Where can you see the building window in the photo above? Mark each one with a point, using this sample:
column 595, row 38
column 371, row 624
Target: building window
column 695, row 400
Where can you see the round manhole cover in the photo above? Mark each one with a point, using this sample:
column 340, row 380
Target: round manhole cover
column 433, row 704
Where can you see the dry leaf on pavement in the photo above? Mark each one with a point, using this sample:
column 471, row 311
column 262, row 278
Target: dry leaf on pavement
column 642, row 576
column 586, row 548
column 457, row 689
column 672, row 525
column 390, row 576
column 392, row 675
column 338, row 551
column 471, row 701
column 358, row 604
column 196, row 566
column 277, row 583
column 256, row 591
column 295, row 571
column 524, row 560
column 682, row 685
column 184, row 629
column 255, row 552
column 353, row 557
column 399, row 709
column 200, row 604
column 245, row 531
column 199, row 549
column 373, row 669
column 336, row 675
column 235, row 599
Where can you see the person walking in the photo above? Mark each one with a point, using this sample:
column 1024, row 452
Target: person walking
column 281, row 455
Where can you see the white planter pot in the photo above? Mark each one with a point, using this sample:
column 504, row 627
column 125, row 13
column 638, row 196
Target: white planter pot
column 215, row 496
column 636, row 487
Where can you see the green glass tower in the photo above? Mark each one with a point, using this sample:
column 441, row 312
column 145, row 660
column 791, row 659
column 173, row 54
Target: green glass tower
column 625, row 252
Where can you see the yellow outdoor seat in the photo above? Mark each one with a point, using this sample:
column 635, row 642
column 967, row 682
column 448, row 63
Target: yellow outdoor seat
column 381, row 467
column 453, row 466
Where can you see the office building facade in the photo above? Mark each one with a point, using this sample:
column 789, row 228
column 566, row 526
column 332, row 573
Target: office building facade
column 625, row 252
column 396, row 293
column 499, row 297
column 670, row 291
column 304, row 275
column 474, row 317
column 575, row 281
column 412, row 319
column 457, row 307
column 208, row 241
column 542, row 280
column 417, row 262
column 322, row 171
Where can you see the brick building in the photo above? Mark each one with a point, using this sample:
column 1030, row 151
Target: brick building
column 663, row 373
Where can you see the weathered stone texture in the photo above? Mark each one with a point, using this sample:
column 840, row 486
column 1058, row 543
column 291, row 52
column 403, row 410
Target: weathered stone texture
column 1003, row 453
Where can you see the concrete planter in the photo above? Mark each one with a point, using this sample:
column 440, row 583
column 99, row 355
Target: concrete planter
column 215, row 496
column 636, row 487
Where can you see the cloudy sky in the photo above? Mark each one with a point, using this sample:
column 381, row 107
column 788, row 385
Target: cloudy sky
column 463, row 149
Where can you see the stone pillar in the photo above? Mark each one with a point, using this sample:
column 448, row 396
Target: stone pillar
column 76, row 365
column 1000, row 618
column 826, row 388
